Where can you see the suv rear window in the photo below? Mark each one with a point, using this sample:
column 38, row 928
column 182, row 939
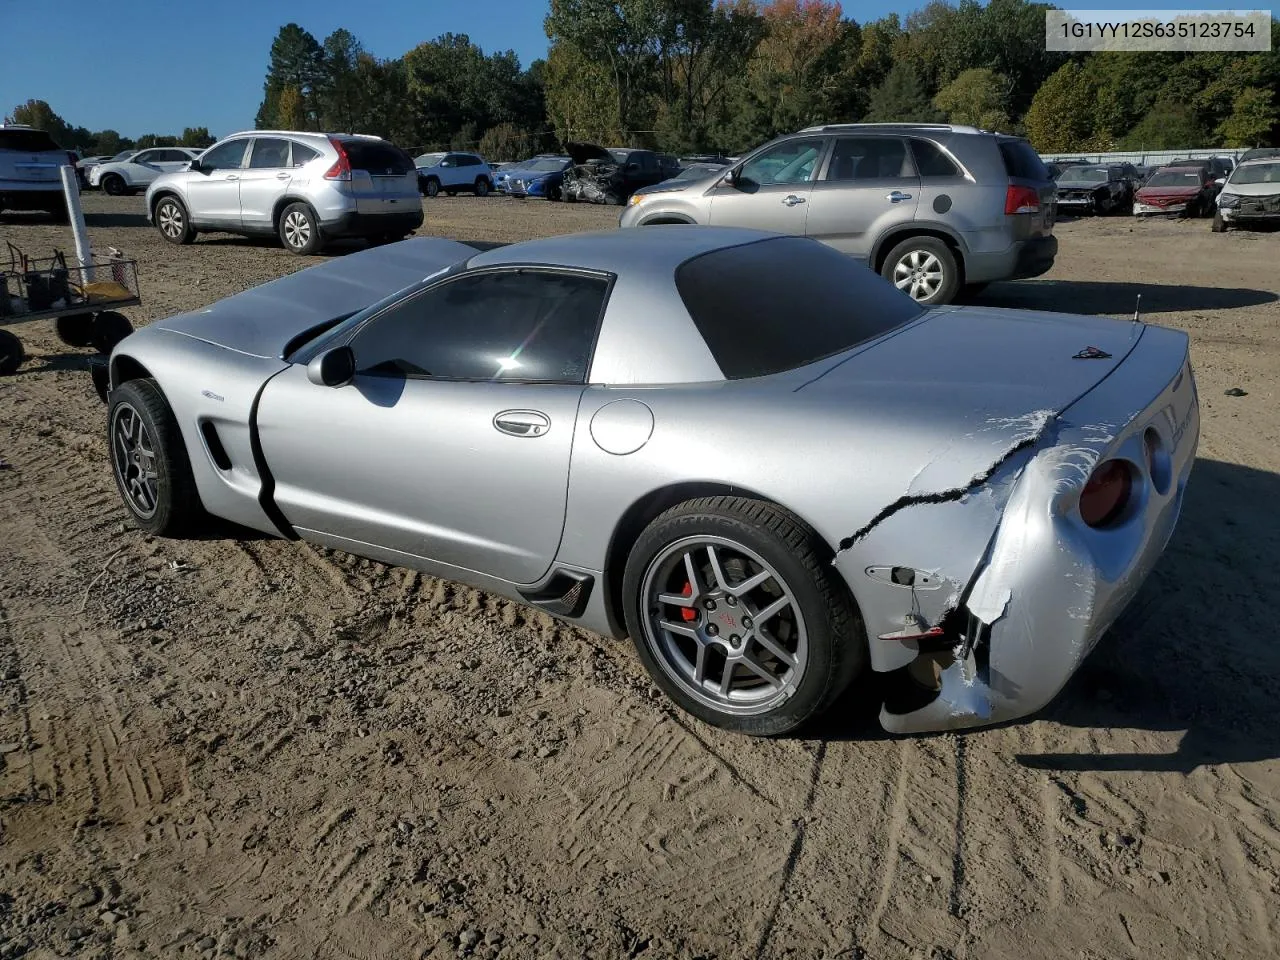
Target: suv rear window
column 377, row 157
column 1022, row 162
column 775, row 305
column 27, row 141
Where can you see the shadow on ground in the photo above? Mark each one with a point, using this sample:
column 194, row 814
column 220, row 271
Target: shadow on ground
column 1080, row 296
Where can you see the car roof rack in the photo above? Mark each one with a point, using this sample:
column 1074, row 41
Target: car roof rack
column 942, row 127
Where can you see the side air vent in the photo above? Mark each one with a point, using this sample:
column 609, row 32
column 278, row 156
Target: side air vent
column 214, row 443
column 566, row 594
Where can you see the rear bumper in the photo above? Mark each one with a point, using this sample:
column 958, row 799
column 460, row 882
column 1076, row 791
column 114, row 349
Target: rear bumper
column 1023, row 259
column 353, row 224
column 19, row 196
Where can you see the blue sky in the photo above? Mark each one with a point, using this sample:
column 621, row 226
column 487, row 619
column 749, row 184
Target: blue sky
column 154, row 67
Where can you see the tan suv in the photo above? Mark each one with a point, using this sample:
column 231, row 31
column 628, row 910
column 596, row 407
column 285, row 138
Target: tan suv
column 934, row 208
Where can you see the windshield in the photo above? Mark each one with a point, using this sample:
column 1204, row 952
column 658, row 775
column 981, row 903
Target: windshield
column 697, row 171
column 428, row 159
column 620, row 155
column 1084, row 175
column 1257, row 173
column 548, row 165
column 1176, row 178
column 123, row 154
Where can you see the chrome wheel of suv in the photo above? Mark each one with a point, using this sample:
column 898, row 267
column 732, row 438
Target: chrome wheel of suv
column 171, row 220
column 299, row 231
column 924, row 268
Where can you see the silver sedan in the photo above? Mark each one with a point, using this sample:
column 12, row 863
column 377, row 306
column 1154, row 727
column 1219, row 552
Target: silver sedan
column 755, row 457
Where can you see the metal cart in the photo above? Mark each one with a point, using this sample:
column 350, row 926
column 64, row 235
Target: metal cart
column 81, row 300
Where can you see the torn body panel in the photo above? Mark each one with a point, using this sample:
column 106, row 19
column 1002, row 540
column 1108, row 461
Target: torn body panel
column 1050, row 586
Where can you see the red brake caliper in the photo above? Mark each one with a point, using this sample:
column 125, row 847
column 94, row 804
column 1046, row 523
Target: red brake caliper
column 688, row 613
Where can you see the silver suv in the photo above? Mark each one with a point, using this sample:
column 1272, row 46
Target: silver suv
column 30, row 162
column 936, row 209
column 305, row 188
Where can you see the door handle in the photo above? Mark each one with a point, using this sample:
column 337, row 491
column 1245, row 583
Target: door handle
column 522, row 423
column 897, row 197
column 232, row 176
column 791, row 200
column 283, row 176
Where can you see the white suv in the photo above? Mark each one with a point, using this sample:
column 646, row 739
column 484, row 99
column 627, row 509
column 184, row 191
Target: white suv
column 453, row 172
column 29, row 165
column 136, row 172
column 305, row 188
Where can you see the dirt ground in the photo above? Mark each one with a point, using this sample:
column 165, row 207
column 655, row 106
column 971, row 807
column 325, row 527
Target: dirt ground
column 255, row 748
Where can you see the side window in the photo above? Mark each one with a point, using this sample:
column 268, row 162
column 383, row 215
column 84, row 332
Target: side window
column 146, row 156
column 302, row 154
column 792, row 162
column 931, row 161
column 269, row 152
column 470, row 161
column 450, row 160
column 226, row 156
column 868, row 158
column 523, row 325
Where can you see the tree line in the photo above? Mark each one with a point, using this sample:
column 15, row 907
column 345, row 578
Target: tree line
column 38, row 114
column 725, row 75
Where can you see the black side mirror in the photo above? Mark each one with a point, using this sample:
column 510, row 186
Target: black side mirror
column 333, row 368
column 197, row 165
column 730, row 178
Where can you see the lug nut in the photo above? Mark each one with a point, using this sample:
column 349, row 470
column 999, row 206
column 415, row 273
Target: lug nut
column 710, row 604
column 712, row 630
column 734, row 638
column 746, row 622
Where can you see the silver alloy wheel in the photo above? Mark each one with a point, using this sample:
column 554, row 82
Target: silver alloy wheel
column 297, row 229
column 134, row 460
column 724, row 625
column 171, row 219
column 919, row 273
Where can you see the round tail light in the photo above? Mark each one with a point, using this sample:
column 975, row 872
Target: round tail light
column 1106, row 494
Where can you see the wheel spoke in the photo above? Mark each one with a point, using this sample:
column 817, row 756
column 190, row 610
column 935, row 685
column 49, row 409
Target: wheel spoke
column 726, row 678
column 749, row 584
column 675, row 600
column 700, row 668
column 765, row 614
column 681, row 628
column 722, row 582
column 691, row 571
column 760, row 671
column 761, row 636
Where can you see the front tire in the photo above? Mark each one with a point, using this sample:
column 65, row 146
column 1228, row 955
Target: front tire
column 108, row 329
column 1219, row 225
column 149, row 460
column 431, row 188
column 299, row 231
column 11, row 353
column 173, row 222
column 482, row 187
column 925, row 269
column 113, row 185
column 736, row 614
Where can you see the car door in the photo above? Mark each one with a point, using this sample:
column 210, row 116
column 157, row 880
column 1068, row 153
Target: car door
column 213, row 191
column 771, row 189
column 867, row 187
column 451, row 443
column 451, row 172
column 142, row 168
column 263, row 181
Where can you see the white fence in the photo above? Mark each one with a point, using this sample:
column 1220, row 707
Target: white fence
column 1143, row 158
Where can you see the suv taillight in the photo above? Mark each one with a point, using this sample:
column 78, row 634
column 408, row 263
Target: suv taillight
column 341, row 170
column 1021, row 200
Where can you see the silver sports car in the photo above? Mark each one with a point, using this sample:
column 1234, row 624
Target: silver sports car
column 755, row 457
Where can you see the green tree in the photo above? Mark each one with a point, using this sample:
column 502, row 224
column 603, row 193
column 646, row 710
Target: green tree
column 290, row 111
column 1169, row 125
column 975, row 97
column 1063, row 113
column 195, row 137
column 38, row 114
column 901, row 98
column 340, row 97
column 109, row 142
column 581, row 104
column 297, row 61
column 1253, row 115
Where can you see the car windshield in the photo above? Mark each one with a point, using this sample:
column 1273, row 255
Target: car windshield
column 548, row 165
column 124, row 154
column 775, row 305
column 620, row 155
column 1257, row 173
column 428, row 159
column 1084, row 175
column 1181, row 177
column 696, row 171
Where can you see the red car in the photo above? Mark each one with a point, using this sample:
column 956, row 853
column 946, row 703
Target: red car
column 1187, row 189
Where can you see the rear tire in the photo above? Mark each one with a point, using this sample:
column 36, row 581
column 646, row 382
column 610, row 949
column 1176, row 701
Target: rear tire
column 11, row 353
column 173, row 222
column 818, row 630
column 75, row 330
column 149, row 460
column 482, row 187
column 925, row 269
column 299, row 231
column 113, row 185
column 108, row 329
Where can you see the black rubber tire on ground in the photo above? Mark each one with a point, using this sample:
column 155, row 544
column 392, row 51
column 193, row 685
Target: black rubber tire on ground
column 113, row 185
column 11, row 353
column 177, row 505
column 836, row 638
column 482, row 187
column 75, row 330
column 1219, row 225
column 431, row 188
column 60, row 213
column 109, row 328
column 950, row 284
column 170, row 210
column 297, row 220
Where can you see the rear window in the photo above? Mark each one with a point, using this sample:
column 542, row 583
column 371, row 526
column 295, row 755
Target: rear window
column 27, row 141
column 1021, row 161
column 776, row 305
column 377, row 157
